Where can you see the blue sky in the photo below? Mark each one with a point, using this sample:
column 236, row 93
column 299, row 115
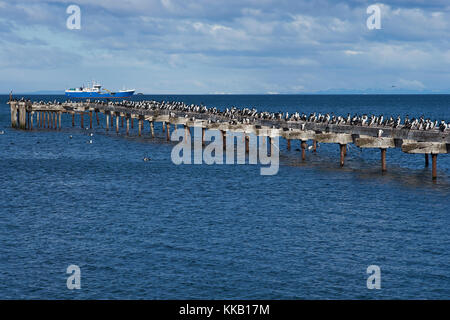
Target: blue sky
column 234, row 46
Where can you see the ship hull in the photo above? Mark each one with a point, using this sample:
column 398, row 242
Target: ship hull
column 104, row 95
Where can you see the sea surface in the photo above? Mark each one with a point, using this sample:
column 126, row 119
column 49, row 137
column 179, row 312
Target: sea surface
column 154, row 230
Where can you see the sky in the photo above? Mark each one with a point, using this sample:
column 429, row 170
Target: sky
column 226, row 47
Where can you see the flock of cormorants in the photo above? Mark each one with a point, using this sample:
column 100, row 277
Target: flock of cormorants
column 246, row 115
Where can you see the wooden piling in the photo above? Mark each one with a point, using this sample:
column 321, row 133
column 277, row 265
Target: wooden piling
column 82, row 119
column 59, row 119
column 314, row 146
column 128, row 126
column 247, row 142
column 107, row 121
column 22, row 116
column 73, row 119
column 121, row 122
column 132, row 123
column 55, row 115
column 269, row 146
column 90, row 119
column 303, row 146
column 289, row 144
column 152, row 129
column 117, row 123
column 163, row 125
column 203, row 136
column 434, row 165
column 427, row 163
column 342, row 151
column 168, row 131
column 98, row 119
column 13, row 107
column 224, row 140
column 140, row 123
column 383, row 159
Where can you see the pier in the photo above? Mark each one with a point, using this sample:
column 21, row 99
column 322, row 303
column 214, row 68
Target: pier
column 431, row 142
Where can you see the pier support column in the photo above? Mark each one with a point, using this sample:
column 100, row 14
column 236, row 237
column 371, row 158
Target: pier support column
column 51, row 120
column 90, row 119
column 203, row 136
column 31, row 120
column 314, row 146
column 342, row 149
column 140, row 127
column 152, row 129
column 107, row 121
column 269, row 145
column 163, row 126
column 434, row 166
column 55, row 114
column 73, row 119
column 13, row 107
column 168, row 131
column 247, row 142
column 289, row 144
column 383, row 160
column 132, row 123
column 303, row 146
column 224, row 140
column 22, row 116
column 98, row 119
column 82, row 119
column 427, row 162
column 37, row 118
column 121, row 121
column 59, row 119
column 117, row 124
column 128, row 126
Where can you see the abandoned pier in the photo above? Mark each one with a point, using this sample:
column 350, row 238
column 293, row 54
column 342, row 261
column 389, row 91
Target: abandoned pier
column 28, row 115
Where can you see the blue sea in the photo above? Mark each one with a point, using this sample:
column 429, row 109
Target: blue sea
column 154, row 230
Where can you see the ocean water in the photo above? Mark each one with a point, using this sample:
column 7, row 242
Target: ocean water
column 154, row 230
